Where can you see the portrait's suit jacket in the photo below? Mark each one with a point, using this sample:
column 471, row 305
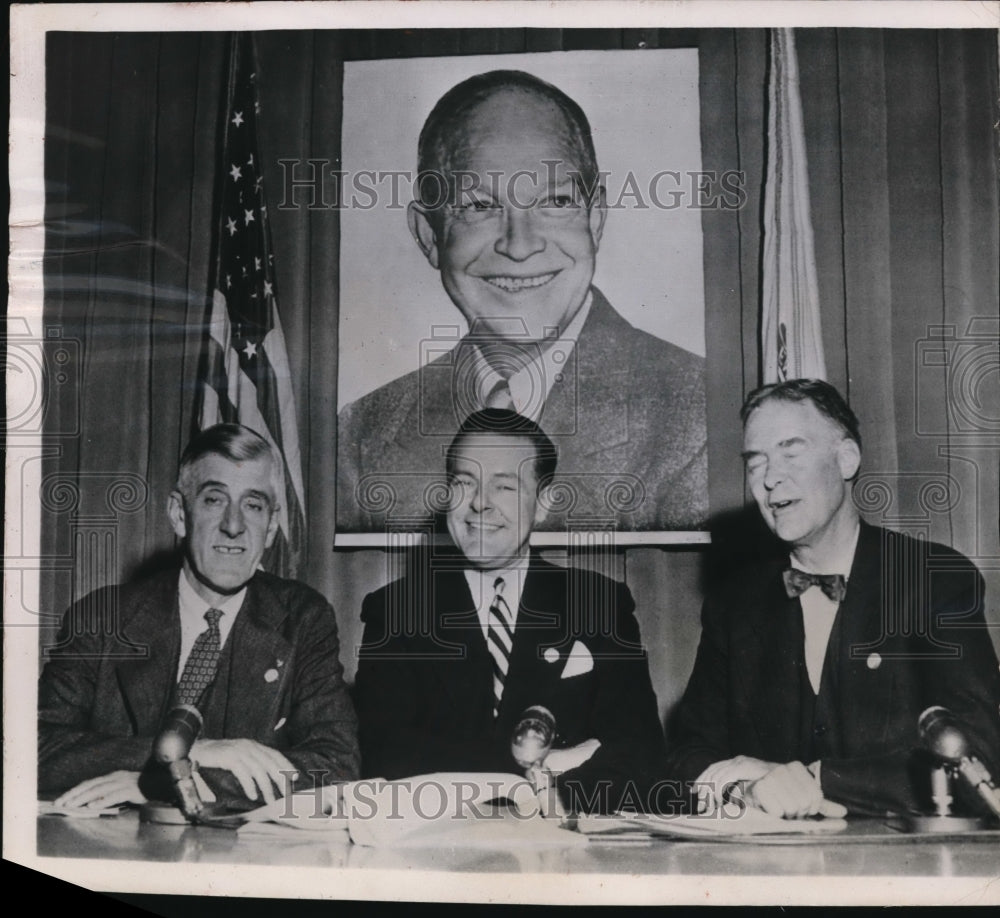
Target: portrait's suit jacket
column 627, row 407
column 909, row 634
column 105, row 690
column 424, row 688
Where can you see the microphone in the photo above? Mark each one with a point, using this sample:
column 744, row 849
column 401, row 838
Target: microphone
column 942, row 736
column 172, row 748
column 533, row 736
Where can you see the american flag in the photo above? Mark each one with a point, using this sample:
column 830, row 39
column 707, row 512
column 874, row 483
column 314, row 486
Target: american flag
column 245, row 376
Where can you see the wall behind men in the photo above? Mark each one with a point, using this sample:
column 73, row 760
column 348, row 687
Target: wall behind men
column 903, row 175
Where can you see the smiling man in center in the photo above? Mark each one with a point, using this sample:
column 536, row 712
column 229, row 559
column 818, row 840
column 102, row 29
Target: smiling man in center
column 455, row 652
column 510, row 210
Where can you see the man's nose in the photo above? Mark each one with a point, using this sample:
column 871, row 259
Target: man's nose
column 232, row 520
column 774, row 473
column 479, row 500
column 519, row 238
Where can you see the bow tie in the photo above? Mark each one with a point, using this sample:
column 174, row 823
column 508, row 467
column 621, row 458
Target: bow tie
column 797, row 582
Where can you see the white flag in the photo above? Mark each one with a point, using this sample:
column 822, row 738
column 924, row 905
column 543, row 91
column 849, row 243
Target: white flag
column 791, row 339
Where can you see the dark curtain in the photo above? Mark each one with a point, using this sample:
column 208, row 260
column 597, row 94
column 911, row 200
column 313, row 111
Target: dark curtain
column 903, row 175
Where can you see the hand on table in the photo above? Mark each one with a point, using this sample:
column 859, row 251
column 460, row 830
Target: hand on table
column 560, row 760
column 715, row 781
column 253, row 764
column 792, row 792
column 104, row 792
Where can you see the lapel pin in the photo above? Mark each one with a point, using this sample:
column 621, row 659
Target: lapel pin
column 271, row 675
column 551, row 655
column 874, row 660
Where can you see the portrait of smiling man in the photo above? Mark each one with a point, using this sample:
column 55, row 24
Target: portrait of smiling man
column 510, row 211
column 257, row 655
column 456, row 651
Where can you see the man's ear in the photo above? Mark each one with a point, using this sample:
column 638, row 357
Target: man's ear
column 542, row 505
column 422, row 230
column 598, row 214
column 272, row 526
column 175, row 510
column 848, row 458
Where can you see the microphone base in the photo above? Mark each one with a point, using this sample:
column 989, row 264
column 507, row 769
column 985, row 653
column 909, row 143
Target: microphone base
column 166, row 814
column 943, row 825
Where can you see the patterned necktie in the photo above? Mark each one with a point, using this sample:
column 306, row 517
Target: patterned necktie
column 499, row 638
column 202, row 662
column 797, row 582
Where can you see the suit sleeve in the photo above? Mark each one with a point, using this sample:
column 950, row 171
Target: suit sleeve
column 700, row 729
column 396, row 739
column 967, row 684
column 623, row 772
column 69, row 749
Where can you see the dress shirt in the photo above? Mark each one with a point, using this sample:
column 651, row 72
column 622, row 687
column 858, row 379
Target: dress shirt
column 552, row 361
column 481, row 587
column 193, row 608
column 819, row 611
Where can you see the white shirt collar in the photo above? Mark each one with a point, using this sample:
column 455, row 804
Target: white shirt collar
column 551, row 362
column 481, row 585
column 839, row 563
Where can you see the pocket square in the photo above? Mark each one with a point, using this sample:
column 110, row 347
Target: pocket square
column 579, row 661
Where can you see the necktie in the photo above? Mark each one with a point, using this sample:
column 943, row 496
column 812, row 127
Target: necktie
column 499, row 396
column 834, row 586
column 199, row 670
column 499, row 638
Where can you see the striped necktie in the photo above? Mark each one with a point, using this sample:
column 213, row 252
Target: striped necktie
column 202, row 662
column 499, row 638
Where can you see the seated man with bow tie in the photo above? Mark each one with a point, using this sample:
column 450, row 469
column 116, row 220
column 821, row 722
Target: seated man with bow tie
column 257, row 655
column 810, row 679
column 456, row 651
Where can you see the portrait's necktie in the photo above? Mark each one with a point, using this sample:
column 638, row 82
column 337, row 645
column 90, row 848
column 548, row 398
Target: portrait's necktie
column 499, row 396
column 499, row 638
column 834, row 586
column 202, row 662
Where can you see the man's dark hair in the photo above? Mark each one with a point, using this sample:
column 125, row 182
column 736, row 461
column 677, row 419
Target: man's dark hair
column 828, row 401
column 503, row 422
column 446, row 122
column 231, row 441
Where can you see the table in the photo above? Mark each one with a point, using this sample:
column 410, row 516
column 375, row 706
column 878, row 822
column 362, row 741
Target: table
column 866, row 849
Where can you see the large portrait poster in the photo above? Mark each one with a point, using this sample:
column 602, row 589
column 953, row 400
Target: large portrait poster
column 613, row 374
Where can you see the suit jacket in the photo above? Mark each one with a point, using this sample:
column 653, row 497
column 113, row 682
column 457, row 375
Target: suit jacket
column 909, row 634
column 626, row 408
column 424, row 686
column 108, row 684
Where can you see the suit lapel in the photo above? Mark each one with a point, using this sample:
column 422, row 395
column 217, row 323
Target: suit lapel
column 771, row 654
column 259, row 661
column 147, row 684
column 864, row 684
column 465, row 676
column 594, row 397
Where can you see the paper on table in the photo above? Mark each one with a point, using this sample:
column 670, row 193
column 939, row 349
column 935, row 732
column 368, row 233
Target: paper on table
column 46, row 808
column 748, row 821
column 310, row 811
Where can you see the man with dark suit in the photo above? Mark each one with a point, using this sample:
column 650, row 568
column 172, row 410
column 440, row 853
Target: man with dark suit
column 815, row 666
column 456, row 651
column 510, row 211
column 264, row 672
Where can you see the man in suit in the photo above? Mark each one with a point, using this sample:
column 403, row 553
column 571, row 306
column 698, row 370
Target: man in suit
column 510, row 211
column 456, row 651
column 256, row 654
column 808, row 689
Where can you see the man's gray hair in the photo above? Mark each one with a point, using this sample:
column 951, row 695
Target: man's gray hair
column 235, row 443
